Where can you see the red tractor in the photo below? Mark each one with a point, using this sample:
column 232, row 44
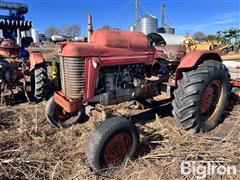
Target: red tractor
column 20, row 79
column 118, row 66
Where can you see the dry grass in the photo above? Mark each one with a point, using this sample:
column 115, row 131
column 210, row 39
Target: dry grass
column 31, row 149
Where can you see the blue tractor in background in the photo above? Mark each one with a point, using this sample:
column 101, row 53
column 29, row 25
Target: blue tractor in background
column 14, row 26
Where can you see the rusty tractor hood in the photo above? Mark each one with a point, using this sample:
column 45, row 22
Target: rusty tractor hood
column 105, row 43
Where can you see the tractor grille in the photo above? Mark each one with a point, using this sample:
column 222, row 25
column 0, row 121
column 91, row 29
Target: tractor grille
column 72, row 77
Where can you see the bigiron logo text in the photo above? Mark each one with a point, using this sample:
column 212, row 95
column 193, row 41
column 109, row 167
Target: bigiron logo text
column 203, row 169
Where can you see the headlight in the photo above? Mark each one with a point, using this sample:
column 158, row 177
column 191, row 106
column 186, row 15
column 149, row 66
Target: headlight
column 95, row 62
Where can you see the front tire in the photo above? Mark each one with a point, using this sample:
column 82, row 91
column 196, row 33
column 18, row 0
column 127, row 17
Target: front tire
column 57, row 117
column 112, row 143
column 201, row 96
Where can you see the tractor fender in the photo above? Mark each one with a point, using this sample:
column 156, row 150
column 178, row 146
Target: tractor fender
column 194, row 58
column 35, row 58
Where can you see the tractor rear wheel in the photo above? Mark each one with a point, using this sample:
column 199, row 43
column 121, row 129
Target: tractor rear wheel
column 112, row 143
column 201, row 96
column 40, row 82
column 58, row 117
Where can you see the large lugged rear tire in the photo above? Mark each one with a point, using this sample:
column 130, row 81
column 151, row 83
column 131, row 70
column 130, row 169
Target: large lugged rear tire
column 201, row 96
column 40, row 82
column 57, row 117
column 112, row 143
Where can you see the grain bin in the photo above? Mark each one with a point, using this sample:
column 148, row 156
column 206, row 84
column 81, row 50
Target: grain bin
column 28, row 33
column 132, row 28
column 35, row 35
column 166, row 29
column 147, row 24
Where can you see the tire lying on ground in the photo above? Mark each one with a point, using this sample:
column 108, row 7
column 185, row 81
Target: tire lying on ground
column 201, row 96
column 113, row 141
column 58, row 117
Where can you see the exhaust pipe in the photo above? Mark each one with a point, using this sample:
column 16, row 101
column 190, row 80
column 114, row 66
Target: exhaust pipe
column 90, row 28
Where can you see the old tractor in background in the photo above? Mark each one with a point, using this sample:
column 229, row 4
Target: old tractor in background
column 116, row 66
column 23, row 74
column 192, row 45
column 227, row 43
column 231, row 37
column 21, row 79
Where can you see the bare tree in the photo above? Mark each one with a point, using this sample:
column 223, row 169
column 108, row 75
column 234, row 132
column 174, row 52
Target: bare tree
column 117, row 29
column 211, row 37
column 199, row 36
column 52, row 30
column 72, row 30
column 187, row 33
column 107, row 27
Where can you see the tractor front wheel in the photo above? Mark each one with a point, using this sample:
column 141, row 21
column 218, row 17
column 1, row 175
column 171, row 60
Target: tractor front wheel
column 58, row 117
column 201, row 96
column 112, row 143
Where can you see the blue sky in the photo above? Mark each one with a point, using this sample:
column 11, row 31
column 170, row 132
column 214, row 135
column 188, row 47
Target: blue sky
column 187, row 16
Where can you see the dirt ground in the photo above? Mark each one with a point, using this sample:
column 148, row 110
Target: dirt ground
column 31, row 149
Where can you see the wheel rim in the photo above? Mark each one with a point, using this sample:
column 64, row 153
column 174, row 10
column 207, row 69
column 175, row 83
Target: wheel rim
column 117, row 148
column 211, row 98
column 61, row 115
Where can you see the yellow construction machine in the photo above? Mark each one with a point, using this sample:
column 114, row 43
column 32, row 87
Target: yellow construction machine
column 192, row 45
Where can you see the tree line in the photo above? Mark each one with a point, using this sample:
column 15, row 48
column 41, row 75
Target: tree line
column 74, row 31
column 70, row 31
column 201, row 36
